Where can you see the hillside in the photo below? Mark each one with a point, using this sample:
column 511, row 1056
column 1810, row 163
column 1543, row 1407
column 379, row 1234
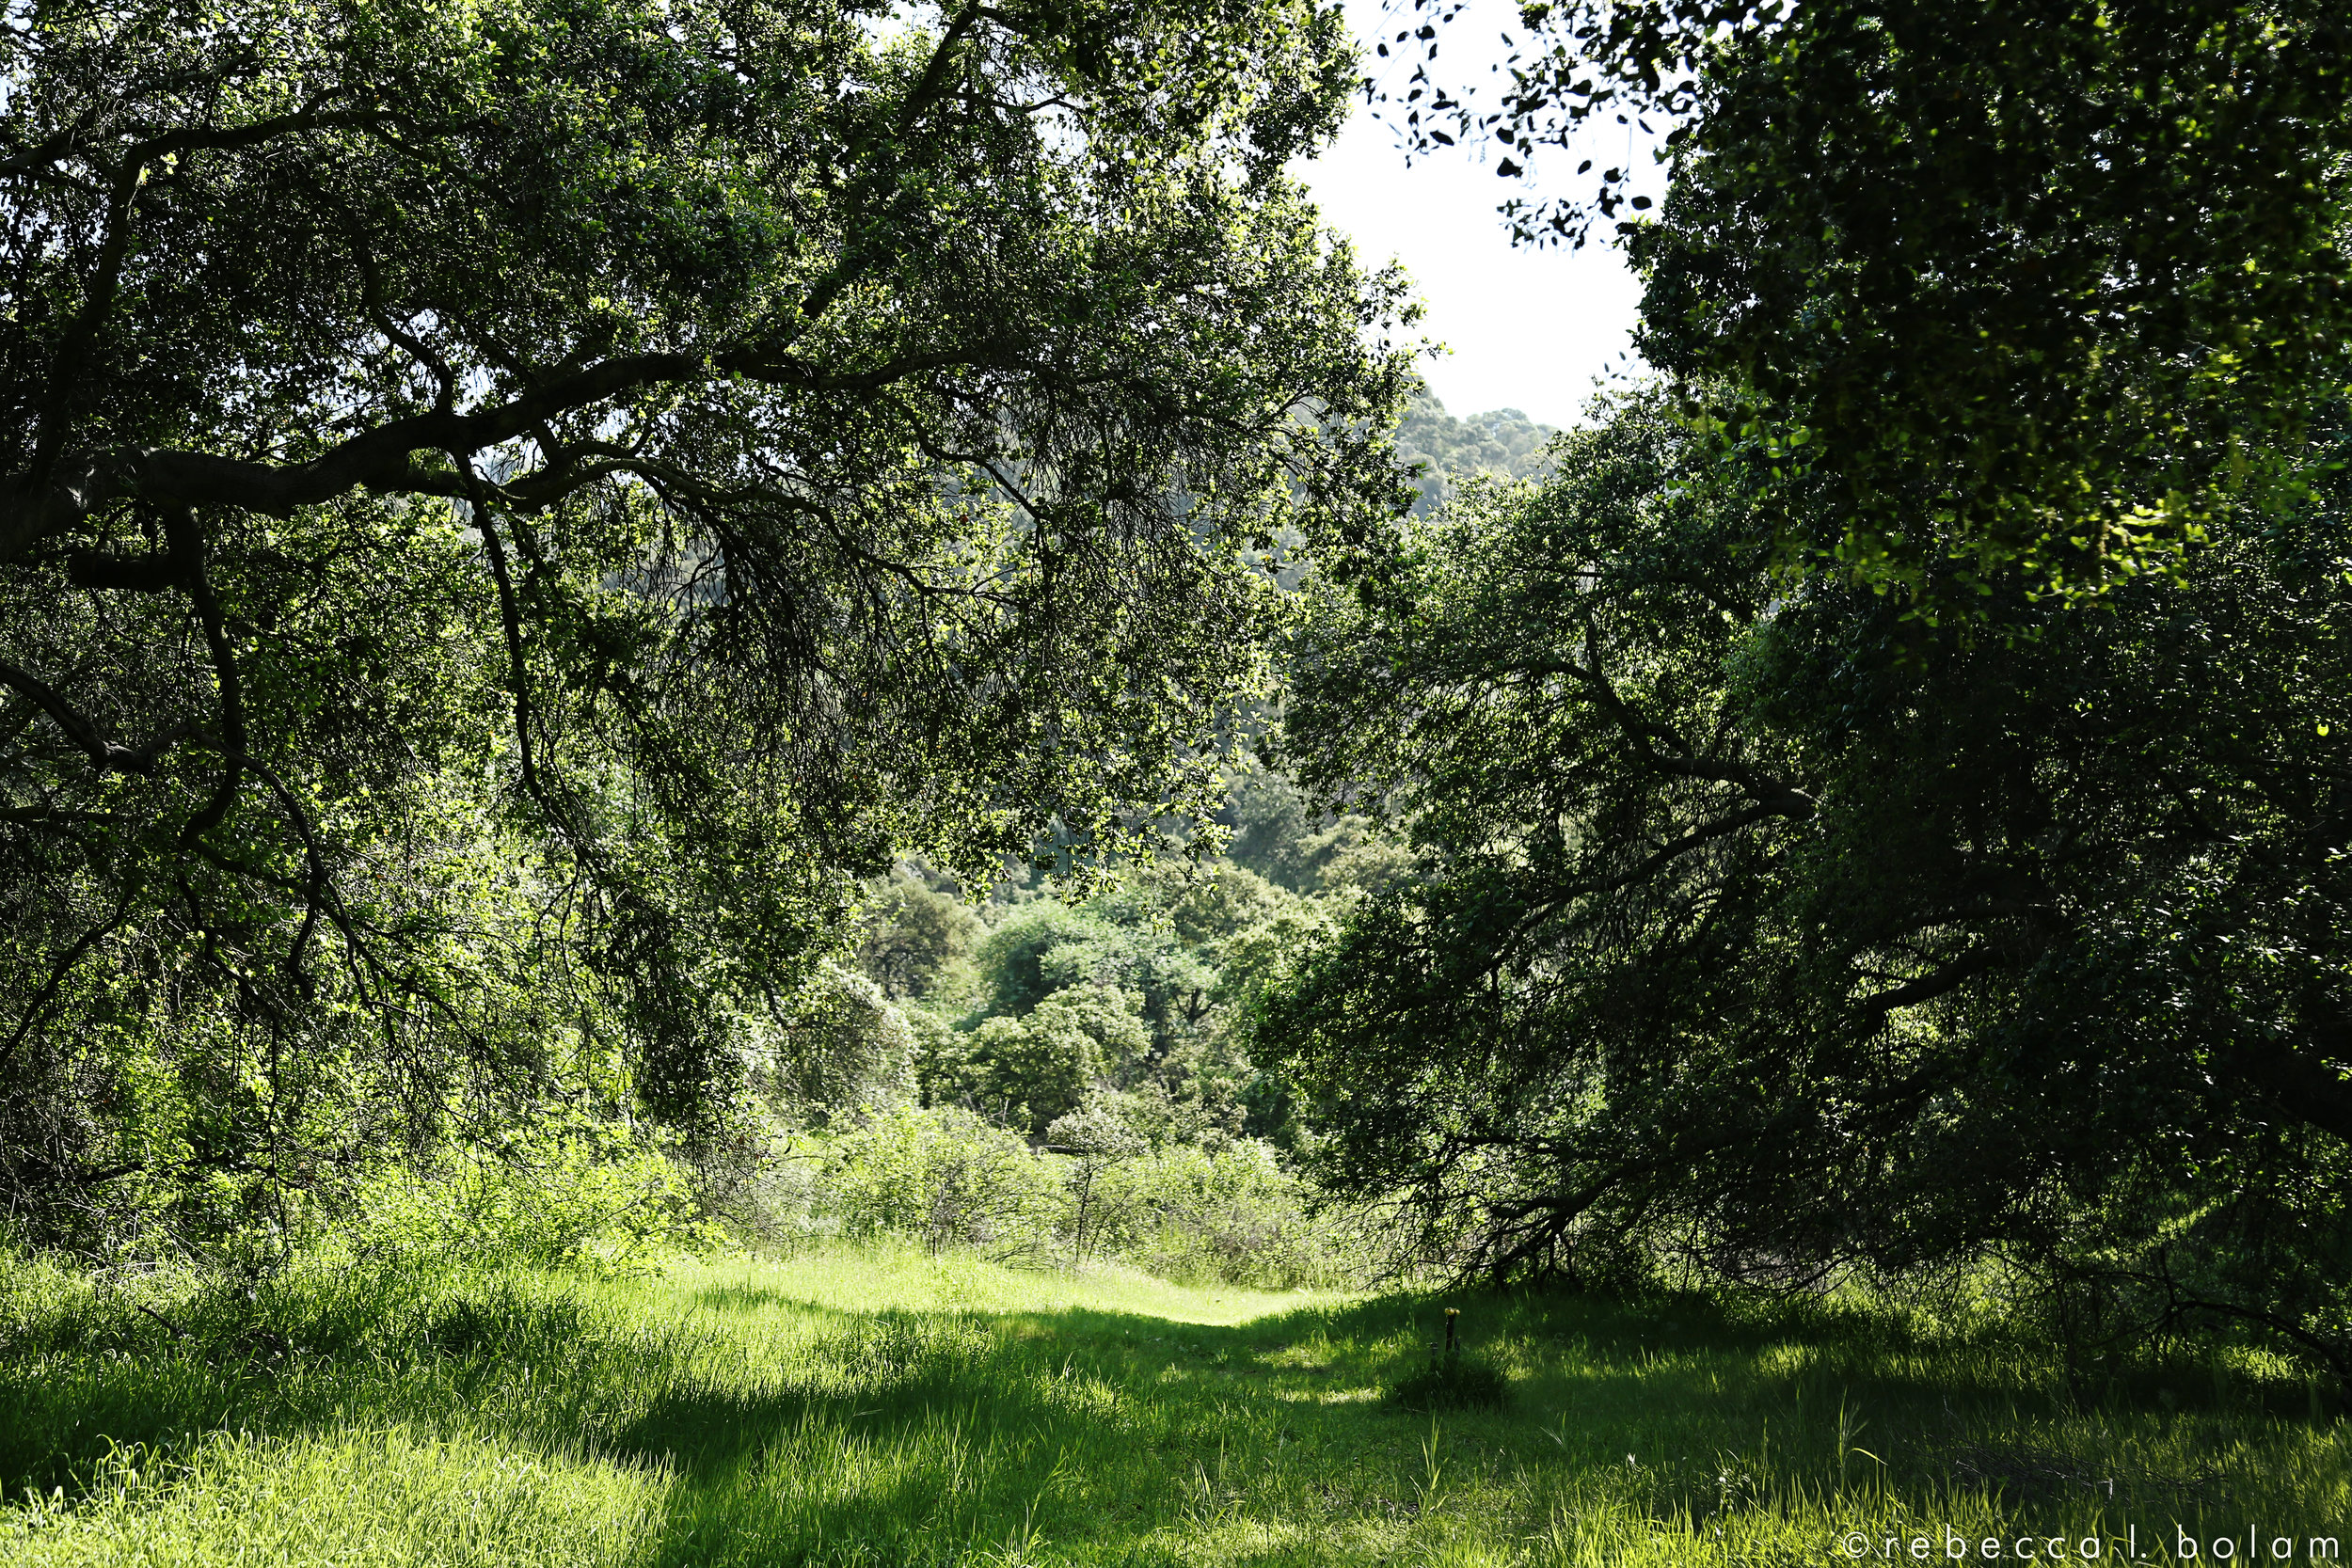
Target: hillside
column 1500, row 441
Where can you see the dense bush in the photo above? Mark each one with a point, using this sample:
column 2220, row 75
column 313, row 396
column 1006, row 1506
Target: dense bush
column 946, row 1179
column 1029, row 1070
column 1229, row 1215
column 912, row 934
column 836, row 1042
column 586, row 1198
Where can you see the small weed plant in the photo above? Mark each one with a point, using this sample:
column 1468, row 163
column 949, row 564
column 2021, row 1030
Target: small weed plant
column 1453, row 1379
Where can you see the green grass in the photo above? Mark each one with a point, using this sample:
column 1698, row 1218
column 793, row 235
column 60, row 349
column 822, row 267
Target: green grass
column 885, row 1408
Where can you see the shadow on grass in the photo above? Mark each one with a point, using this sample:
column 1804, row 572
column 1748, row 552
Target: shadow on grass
column 923, row 1437
column 759, row 1299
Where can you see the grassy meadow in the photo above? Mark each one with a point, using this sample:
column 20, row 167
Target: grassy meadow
column 879, row 1406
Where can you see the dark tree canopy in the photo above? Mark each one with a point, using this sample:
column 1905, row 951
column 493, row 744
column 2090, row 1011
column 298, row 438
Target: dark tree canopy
column 1760, row 924
column 2023, row 287
column 511, row 510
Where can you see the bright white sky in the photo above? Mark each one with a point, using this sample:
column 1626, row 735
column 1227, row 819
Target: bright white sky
column 1525, row 328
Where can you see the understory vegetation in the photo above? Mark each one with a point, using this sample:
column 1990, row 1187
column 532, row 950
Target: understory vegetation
column 1049, row 1080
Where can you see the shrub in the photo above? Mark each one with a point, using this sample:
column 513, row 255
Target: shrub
column 840, row 1042
column 946, row 1176
column 914, row 933
column 584, row 1196
column 1038, row 1067
column 1012, row 960
column 1096, row 1136
column 751, row 1183
column 1231, row 1215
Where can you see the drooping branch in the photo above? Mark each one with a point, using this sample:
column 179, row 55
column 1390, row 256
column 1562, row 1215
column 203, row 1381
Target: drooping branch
column 510, row 618
column 105, row 754
column 187, row 549
column 1696, row 838
column 320, row 896
column 66, row 962
column 383, row 459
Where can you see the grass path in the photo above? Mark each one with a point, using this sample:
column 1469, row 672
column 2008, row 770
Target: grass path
column 886, row 1408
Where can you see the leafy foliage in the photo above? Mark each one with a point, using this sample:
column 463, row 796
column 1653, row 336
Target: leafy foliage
column 835, row 1044
column 948, row 1179
column 1034, row 1068
column 945, row 1178
column 1130, row 996
column 1762, row 927
column 912, row 934
column 581, row 1198
column 2029, row 287
column 514, row 510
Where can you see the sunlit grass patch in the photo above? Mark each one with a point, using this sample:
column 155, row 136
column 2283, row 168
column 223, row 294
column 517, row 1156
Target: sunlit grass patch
column 884, row 1406
column 352, row 1498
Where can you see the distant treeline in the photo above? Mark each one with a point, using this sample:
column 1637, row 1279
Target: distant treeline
column 1501, row 441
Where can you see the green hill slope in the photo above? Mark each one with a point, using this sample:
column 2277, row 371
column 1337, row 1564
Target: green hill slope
column 1500, row 441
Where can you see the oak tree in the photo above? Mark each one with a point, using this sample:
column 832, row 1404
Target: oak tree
column 509, row 511
column 1760, row 928
column 2035, row 287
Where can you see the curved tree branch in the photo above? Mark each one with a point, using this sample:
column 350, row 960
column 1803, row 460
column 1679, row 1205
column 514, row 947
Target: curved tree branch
column 383, row 460
column 187, row 549
column 510, row 617
column 107, row 755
